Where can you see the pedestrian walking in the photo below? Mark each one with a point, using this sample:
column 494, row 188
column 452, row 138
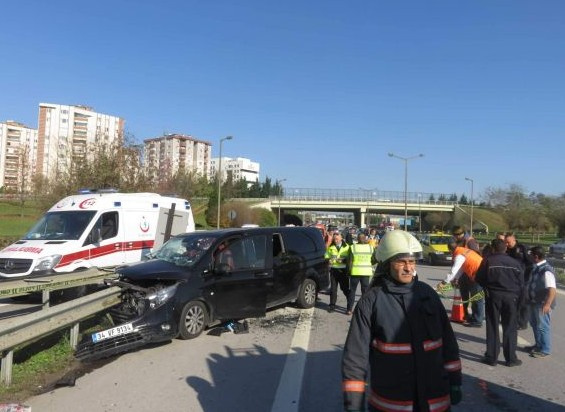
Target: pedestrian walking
column 502, row 278
column 360, row 269
column 338, row 254
column 466, row 262
column 541, row 290
column 400, row 338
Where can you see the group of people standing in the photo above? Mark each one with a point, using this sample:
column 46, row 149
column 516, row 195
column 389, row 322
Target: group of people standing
column 400, row 338
column 351, row 265
column 517, row 284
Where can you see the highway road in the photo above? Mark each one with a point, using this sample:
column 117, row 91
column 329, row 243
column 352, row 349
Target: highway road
column 290, row 361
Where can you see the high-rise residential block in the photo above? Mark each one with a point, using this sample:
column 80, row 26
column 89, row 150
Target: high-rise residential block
column 18, row 156
column 171, row 153
column 66, row 133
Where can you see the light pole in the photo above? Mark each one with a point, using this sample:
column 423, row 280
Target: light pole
column 220, row 178
column 280, row 195
column 406, row 159
column 472, row 201
column 420, row 212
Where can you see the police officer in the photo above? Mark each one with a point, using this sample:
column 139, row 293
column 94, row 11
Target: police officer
column 338, row 254
column 360, row 268
column 401, row 337
column 502, row 278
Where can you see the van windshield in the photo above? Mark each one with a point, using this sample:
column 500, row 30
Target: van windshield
column 68, row 225
column 185, row 250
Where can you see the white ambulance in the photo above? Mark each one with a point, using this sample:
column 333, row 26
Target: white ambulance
column 95, row 229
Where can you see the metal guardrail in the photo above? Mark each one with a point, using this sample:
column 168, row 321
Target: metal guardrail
column 25, row 328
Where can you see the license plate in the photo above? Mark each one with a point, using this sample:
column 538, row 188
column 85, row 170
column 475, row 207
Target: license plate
column 448, row 258
column 110, row 333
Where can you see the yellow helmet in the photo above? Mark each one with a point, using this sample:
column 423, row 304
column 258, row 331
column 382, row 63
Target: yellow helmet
column 398, row 243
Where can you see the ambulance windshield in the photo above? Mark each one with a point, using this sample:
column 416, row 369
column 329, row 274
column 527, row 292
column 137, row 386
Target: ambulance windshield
column 61, row 225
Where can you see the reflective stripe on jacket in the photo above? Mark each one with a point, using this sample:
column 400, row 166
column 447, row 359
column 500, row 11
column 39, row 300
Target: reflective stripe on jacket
column 338, row 258
column 361, row 260
column 472, row 261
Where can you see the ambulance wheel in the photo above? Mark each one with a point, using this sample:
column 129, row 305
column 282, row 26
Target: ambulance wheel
column 193, row 320
column 307, row 294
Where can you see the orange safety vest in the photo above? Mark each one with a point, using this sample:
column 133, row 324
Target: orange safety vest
column 472, row 261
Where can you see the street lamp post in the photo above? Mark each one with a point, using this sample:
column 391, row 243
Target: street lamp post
column 420, row 212
column 220, row 178
column 280, row 195
column 406, row 159
column 472, row 202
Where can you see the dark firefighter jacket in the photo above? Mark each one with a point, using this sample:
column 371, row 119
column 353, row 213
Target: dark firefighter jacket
column 403, row 333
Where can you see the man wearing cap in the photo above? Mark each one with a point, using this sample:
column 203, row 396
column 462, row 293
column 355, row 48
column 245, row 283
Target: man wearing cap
column 464, row 239
column 400, row 337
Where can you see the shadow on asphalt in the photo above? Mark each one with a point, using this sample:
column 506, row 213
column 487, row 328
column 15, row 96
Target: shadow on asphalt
column 257, row 383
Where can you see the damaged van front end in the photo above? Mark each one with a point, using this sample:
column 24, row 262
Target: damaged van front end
column 145, row 315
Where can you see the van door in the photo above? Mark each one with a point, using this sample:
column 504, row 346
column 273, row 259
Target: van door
column 105, row 241
column 241, row 278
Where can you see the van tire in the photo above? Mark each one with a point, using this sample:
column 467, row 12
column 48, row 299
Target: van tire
column 307, row 294
column 193, row 320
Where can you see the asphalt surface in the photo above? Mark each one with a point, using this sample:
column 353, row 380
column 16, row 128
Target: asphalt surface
column 290, row 361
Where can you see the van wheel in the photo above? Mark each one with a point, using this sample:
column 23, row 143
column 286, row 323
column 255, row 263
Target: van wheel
column 193, row 320
column 307, row 294
column 431, row 260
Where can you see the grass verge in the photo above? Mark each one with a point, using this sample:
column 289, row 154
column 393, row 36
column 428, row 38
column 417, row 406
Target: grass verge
column 39, row 366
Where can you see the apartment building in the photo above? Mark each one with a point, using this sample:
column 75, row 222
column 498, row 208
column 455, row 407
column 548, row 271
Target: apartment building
column 239, row 167
column 168, row 154
column 66, row 133
column 18, row 156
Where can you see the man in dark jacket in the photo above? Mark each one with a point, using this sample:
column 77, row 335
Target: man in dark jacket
column 520, row 252
column 502, row 278
column 400, row 331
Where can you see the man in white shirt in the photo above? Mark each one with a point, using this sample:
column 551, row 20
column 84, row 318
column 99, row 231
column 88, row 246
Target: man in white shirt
column 541, row 290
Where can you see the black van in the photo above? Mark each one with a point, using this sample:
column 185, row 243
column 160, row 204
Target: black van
column 201, row 278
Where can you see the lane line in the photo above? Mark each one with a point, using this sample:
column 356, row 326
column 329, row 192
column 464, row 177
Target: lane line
column 287, row 398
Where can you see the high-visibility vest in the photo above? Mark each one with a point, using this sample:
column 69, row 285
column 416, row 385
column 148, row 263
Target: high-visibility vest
column 338, row 258
column 373, row 241
column 361, row 260
column 472, row 261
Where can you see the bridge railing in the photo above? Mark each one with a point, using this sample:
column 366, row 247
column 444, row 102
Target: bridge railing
column 363, row 195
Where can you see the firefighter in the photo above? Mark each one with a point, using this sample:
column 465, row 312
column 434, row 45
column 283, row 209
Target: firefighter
column 401, row 337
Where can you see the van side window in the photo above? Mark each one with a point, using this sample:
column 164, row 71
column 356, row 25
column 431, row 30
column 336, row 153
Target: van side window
column 277, row 245
column 109, row 225
column 297, row 242
column 106, row 227
column 243, row 254
column 256, row 251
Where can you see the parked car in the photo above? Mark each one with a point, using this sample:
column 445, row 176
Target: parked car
column 557, row 249
column 435, row 248
column 203, row 278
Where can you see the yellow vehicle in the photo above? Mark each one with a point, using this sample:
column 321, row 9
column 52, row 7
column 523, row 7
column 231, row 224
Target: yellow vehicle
column 435, row 248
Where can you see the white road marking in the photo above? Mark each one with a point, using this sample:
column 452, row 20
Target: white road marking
column 287, row 398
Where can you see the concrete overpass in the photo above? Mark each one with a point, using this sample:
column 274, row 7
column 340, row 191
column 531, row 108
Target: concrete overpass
column 359, row 202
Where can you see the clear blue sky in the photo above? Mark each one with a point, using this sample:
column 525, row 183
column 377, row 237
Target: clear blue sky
column 318, row 92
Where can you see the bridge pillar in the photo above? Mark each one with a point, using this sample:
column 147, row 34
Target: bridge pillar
column 360, row 217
